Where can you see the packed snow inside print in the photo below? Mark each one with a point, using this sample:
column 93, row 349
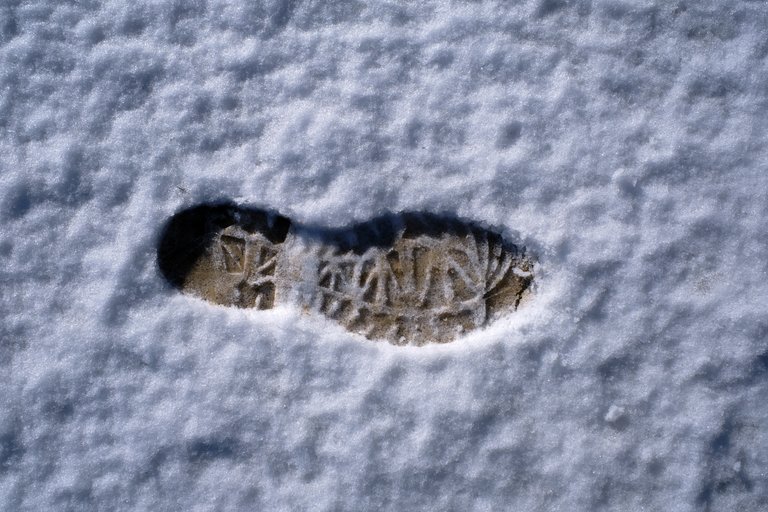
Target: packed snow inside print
column 408, row 278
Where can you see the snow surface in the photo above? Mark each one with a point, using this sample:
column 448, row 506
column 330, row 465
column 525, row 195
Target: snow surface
column 624, row 142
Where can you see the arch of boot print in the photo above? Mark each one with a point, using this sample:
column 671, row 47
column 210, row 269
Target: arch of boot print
column 408, row 278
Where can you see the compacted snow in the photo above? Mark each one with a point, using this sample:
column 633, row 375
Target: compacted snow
column 623, row 142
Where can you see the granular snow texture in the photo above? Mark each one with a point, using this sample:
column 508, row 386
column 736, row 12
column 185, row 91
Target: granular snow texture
column 625, row 143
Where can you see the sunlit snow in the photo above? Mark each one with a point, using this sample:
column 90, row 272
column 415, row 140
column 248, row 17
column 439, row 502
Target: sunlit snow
column 625, row 143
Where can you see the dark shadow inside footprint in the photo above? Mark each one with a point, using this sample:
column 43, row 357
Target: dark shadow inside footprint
column 382, row 231
column 190, row 233
column 409, row 278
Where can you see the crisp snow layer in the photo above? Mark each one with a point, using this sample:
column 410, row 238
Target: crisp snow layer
column 624, row 142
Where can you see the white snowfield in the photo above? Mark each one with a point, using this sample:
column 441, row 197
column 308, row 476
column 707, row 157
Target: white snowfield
column 625, row 143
